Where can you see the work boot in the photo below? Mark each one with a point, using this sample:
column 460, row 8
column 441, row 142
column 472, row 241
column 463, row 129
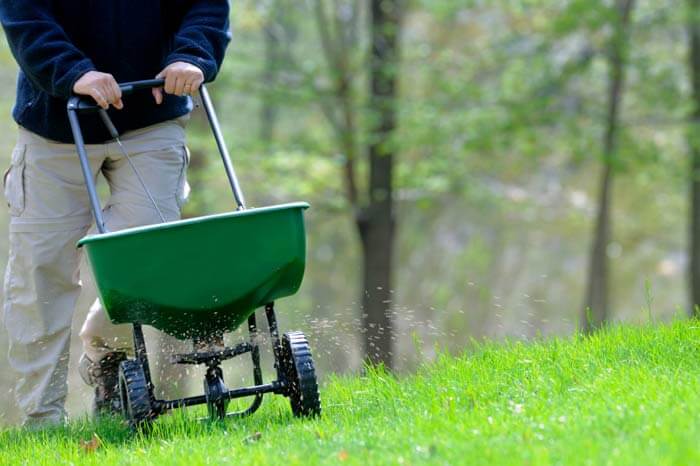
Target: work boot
column 104, row 376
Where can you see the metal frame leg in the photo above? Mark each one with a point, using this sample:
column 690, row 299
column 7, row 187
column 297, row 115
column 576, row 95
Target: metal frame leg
column 276, row 342
column 142, row 356
column 257, row 370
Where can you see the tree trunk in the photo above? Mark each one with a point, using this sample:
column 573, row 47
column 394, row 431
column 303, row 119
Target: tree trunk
column 376, row 221
column 595, row 311
column 376, row 228
column 694, row 147
column 268, row 110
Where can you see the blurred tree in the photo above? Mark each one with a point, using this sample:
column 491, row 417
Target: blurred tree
column 278, row 32
column 595, row 311
column 374, row 209
column 504, row 106
column 694, row 146
column 376, row 219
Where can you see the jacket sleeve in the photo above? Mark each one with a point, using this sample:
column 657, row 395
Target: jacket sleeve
column 41, row 47
column 203, row 36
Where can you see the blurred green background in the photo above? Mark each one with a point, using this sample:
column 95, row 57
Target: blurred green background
column 502, row 114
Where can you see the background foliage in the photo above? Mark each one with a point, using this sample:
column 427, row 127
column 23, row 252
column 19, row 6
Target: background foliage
column 502, row 108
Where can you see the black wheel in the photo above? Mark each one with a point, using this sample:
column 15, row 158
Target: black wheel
column 298, row 368
column 214, row 389
column 134, row 394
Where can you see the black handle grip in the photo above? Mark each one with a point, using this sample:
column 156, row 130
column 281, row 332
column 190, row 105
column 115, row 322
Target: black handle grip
column 128, row 88
column 86, row 104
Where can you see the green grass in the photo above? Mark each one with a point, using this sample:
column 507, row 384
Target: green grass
column 624, row 396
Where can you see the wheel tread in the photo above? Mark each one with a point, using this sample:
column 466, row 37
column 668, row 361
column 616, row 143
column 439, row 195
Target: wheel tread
column 136, row 398
column 301, row 374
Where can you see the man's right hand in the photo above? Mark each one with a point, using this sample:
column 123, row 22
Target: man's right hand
column 102, row 87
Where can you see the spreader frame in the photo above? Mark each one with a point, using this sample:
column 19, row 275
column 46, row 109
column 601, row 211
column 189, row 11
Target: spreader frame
column 295, row 372
column 213, row 360
column 84, row 105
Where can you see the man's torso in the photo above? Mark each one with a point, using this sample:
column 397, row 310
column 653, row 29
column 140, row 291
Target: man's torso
column 129, row 39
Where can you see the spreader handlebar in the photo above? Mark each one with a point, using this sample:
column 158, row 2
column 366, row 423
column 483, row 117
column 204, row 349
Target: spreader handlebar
column 128, row 88
column 86, row 104
column 83, row 104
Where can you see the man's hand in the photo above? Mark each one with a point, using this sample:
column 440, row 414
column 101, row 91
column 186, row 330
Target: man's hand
column 181, row 78
column 102, row 87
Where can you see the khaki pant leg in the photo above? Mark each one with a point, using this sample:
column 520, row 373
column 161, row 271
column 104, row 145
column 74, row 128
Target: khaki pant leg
column 160, row 156
column 49, row 213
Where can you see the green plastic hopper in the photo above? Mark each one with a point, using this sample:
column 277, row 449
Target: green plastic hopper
column 193, row 277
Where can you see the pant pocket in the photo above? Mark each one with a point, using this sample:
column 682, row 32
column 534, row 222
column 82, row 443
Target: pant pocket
column 14, row 181
column 183, row 187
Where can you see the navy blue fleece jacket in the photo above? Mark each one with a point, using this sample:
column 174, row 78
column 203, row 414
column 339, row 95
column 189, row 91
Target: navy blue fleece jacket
column 55, row 42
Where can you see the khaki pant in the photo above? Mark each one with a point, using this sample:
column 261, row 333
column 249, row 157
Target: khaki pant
column 50, row 212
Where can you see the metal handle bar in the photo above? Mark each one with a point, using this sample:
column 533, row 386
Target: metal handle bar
column 86, row 104
column 128, row 88
column 80, row 104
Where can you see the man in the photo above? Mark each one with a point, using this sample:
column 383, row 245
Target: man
column 85, row 47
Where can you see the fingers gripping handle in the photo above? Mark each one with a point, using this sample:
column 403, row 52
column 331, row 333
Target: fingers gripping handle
column 86, row 104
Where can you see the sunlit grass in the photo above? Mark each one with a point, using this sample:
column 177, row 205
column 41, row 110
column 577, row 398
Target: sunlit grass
column 624, row 396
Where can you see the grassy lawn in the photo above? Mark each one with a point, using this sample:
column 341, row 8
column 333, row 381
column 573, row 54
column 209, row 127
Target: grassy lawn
column 625, row 396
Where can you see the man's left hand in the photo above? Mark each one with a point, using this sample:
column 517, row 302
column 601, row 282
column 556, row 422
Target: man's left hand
column 181, row 78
